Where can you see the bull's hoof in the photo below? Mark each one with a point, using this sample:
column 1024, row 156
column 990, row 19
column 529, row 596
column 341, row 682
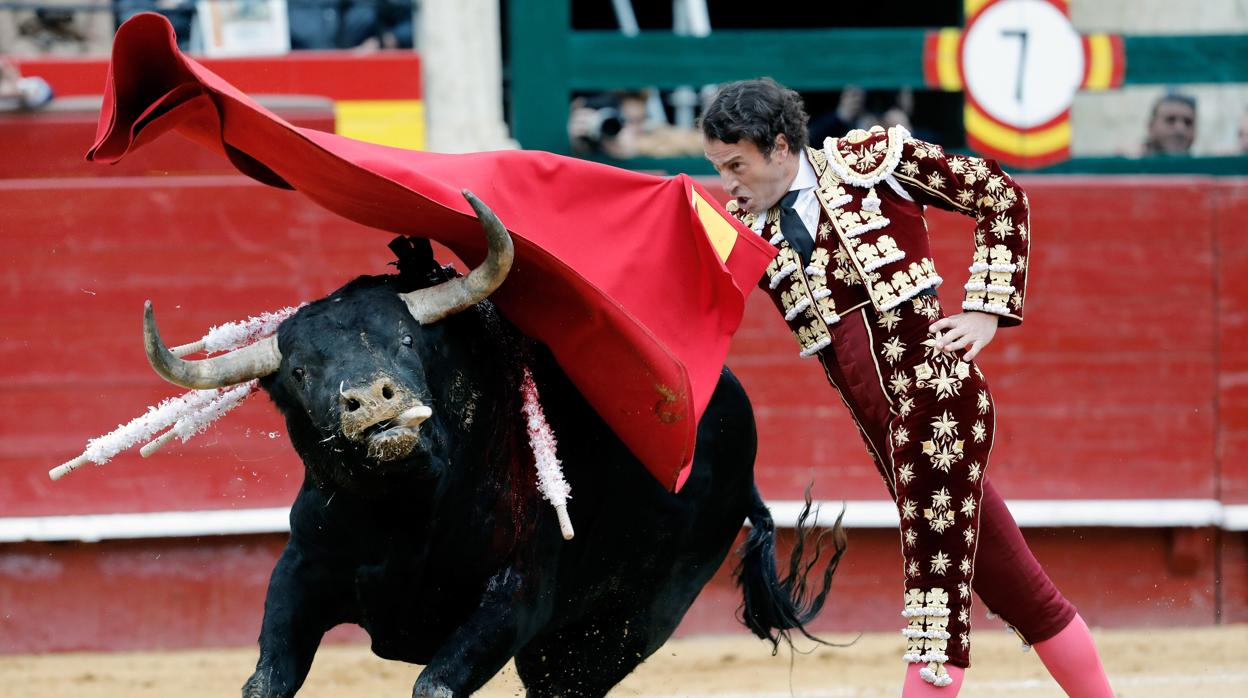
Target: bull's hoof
column 431, row 689
column 260, row 685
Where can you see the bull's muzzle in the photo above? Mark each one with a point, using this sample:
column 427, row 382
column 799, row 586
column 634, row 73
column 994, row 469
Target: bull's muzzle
column 384, row 417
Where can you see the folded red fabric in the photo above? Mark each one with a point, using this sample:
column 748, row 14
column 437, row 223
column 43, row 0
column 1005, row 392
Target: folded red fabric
column 635, row 282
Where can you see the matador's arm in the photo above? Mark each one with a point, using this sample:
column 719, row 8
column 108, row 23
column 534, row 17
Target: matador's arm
column 979, row 188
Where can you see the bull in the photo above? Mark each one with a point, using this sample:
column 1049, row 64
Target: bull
column 418, row 516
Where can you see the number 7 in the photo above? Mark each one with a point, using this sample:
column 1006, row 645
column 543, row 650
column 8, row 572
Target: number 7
column 1022, row 58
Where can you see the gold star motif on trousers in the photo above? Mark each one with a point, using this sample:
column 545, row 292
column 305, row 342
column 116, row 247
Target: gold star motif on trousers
column 979, row 432
column 908, row 509
column 893, row 350
column 889, row 319
column 905, row 473
column 983, row 402
column 968, row 506
column 945, row 425
column 900, row 383
column 944, row 384
column 973, row 471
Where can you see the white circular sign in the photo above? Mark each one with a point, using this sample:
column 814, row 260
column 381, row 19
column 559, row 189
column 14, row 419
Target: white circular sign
column 1022, row 61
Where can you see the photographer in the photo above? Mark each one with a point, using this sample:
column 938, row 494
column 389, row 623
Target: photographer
column 619, row 125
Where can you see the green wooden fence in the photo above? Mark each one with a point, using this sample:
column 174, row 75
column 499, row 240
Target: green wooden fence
column 549, row 61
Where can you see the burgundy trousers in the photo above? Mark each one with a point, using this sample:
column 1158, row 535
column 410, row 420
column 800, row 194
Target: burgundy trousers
column 928, row 420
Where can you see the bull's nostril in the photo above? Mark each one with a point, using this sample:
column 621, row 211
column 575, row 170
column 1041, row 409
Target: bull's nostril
column 387, row 393
column 353, row 405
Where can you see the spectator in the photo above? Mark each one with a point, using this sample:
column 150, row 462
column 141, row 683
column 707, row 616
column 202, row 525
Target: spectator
column 896, row 116
column 1172, row 125
column 850, row 114
column 19, row 93
column 368, row 24
column 620, row 125
column 56, row 27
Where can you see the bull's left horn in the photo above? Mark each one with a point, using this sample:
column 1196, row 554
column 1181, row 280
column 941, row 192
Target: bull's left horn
column 428, row 305
column 251, row 361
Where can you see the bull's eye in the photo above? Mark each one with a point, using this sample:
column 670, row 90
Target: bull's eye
column 407, row 340
column 298, row 374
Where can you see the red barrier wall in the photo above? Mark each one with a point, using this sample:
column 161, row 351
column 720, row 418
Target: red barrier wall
column 334, row 74
column 209, row 592
column 1129, row 380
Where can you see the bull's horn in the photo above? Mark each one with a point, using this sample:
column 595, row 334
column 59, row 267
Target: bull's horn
column 428, row 305
column 251, row 361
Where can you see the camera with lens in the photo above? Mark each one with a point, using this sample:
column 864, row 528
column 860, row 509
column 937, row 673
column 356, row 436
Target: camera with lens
column 601, row 120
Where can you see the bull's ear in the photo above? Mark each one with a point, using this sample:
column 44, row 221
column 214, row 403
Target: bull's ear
column 415, row 260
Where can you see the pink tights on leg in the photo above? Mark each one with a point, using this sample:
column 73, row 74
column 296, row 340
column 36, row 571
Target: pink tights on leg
column 916, row 687
column 1071, row 658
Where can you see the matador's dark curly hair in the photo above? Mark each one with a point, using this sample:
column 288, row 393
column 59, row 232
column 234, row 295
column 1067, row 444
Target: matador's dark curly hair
column 758, row 111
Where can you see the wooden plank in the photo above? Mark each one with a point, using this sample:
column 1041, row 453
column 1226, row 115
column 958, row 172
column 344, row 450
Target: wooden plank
column 538, row 74
column 210, row 592
column 802, row 59
column 1231, row 260
column 61, row 140
column 1205, row 58
column 385, row 74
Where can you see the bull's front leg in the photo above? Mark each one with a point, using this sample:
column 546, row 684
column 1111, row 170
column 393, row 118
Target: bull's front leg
column 510, row 613
column 302, row 603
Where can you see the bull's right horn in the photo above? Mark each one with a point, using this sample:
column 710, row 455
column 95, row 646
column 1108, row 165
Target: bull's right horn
column 251, row 361
column 428, row 305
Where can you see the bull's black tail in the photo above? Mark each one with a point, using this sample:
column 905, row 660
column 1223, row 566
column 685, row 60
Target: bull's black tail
column 772, row 607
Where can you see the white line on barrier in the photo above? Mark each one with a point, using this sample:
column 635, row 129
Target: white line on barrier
column 1041, row 513
column 162, row 524
column 1136, row 513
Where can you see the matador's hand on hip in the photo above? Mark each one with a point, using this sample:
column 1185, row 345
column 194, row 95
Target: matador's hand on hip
column 970, row 329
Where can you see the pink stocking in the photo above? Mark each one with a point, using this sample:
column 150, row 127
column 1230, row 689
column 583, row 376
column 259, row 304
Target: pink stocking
column 916, row 687
column 1071, row 658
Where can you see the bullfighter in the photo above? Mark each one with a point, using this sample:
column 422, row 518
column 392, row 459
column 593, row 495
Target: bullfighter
column 855, row 281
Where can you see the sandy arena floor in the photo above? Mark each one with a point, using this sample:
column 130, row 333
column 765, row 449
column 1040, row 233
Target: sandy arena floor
column 1199, row 663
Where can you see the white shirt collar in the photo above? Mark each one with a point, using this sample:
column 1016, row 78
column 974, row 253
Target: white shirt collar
column 805, row 181
column 805, row 178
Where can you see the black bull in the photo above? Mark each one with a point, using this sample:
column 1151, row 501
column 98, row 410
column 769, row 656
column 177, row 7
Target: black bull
column 419, row 517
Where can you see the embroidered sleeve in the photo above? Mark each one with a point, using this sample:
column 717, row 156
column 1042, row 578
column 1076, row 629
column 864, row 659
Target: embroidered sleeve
column 979, row 188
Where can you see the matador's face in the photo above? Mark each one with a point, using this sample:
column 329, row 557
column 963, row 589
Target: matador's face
column 755, row 180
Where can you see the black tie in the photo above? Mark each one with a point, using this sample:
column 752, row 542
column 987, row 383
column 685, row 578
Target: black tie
column 793, row 229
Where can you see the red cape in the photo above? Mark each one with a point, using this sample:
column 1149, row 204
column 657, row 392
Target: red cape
column 635, row 282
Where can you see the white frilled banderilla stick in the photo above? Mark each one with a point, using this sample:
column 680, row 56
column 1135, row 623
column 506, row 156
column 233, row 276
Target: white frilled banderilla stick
column 542, row 439
column 195, row 422
column 233, row 335
column 189, row 414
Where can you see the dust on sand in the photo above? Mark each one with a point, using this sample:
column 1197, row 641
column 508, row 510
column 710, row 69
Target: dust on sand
column 1193, row 663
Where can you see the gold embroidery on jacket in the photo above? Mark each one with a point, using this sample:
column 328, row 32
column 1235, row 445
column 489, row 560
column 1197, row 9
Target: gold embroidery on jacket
column 804, row 297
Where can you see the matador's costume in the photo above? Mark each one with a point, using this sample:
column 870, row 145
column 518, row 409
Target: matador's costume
column 861, row 301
